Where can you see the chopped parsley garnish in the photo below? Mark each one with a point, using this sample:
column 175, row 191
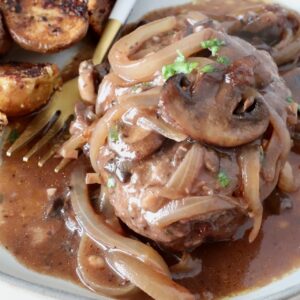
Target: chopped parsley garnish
column 208, row 69
column 141, row 85
column 213, row 45
column 180, row 65
column 113, row 134
column 111, row 182
column 223, row 179
column 224, row 60
column 291, row 100
column 13, row 136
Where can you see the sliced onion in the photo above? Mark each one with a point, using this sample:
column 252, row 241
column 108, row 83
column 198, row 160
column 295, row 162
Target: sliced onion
column 186, row 208
column 96, row 284
column 93, row 178
column 156, row 285
column 143, row 69
column 107, row 91
column 146, row 99
column 187, row 171
column 250, row 169
column 187, row 267
column 69, row 148
column 158, row 125
column 282, row 131
column 288, row 48
column 96, row 228
column 271, row 156
column 287, row 182
column 86, row 82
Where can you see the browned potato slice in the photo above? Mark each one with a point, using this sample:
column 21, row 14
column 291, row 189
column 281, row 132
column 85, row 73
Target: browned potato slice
column 99, row 11
column 26, row 87
column 5, row 39
column 46, row 25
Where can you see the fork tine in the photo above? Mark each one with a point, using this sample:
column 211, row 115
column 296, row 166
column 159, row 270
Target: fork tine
column 52, row 132
column 58, row 141
column 63, row 163
column 34, row 127
column 47, row 156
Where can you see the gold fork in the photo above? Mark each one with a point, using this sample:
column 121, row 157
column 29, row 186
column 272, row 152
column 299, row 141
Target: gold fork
column 61, row 108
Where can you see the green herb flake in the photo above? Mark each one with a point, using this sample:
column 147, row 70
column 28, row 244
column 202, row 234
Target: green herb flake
column 289, row 99
column 13, row 136
column 223, row 179
column 208, row 69
column 180, row 65
column 113, row 134
column 111, row 182
column 135, row 87
column 224, row 60
column 213, row 45
column 141, row 85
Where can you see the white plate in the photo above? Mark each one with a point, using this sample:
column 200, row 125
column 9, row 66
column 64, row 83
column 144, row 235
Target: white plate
column 17, row 282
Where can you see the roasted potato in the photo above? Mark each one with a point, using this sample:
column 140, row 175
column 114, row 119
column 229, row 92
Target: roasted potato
column 46, row 25
column 5, row 39
column 25, row 87
column 99, row 11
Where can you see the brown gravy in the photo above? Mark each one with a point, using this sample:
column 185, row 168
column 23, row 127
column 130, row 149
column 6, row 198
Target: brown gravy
column 48, row 246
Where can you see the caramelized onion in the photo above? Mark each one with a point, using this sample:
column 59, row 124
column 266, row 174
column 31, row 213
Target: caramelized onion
column 158, row 125
column 186, row 267
column 287, row 180
column 96, row 228
column 146, row 99
column 187, row 171
column 69, row 148
column 190, row 207
column 156, row 285
column 86, row 82
column 289, row 46
column 250, row 168
column 143, row 69
column 93, row 178
column 107, row 91
column 283, row 133
column 98, row 284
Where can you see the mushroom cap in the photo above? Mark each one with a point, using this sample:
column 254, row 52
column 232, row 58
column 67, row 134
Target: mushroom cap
column 223, row 109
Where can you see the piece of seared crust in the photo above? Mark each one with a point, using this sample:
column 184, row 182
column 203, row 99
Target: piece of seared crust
column 25, row 87
column 99, row 11
column 5, row 39
column 46, row 25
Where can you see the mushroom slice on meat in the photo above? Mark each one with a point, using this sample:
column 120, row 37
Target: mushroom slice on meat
column 214, row 112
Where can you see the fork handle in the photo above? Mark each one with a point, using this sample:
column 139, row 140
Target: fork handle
column 117, row 18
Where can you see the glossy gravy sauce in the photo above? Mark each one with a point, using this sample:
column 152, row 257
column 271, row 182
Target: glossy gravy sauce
column 49, row 245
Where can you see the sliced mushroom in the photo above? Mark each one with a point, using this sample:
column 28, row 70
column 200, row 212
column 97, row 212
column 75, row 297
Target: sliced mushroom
column 213, row 111
column 134, row 143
